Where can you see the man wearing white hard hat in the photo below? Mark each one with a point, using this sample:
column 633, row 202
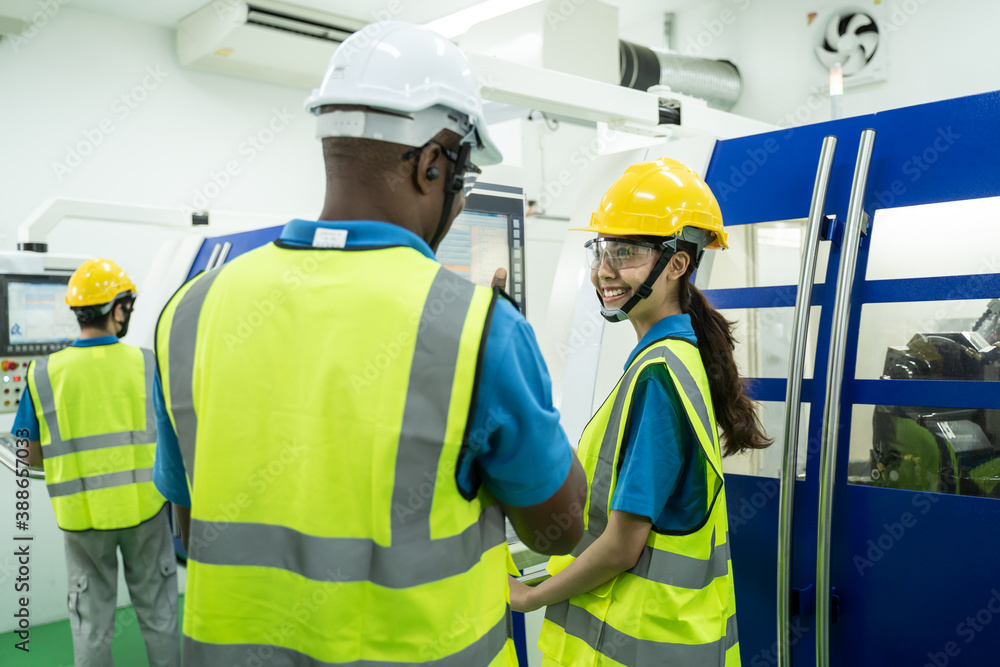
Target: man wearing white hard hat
column 349, row 462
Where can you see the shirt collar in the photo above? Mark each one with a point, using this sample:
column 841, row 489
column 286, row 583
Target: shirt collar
column 94, row 342
column 360, row 234
column 674, row 326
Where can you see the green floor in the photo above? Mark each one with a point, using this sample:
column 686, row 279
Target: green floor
column 52, row 645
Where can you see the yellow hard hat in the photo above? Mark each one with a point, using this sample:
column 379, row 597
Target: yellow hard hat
column 97, row 282
column 658, row 198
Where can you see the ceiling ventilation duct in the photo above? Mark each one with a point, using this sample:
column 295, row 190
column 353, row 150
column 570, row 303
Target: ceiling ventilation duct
column 717, row 82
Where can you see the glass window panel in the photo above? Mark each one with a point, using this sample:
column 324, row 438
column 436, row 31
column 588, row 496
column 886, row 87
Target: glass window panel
column 765, row 254
column 767, row 462
column 943, row 340
column 946, row 239
column 944, row 450
column 764, row 339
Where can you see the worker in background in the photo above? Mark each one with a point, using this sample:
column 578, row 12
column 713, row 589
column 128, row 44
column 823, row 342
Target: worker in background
column 651, row 583
column 349, row 421
column 89, row 419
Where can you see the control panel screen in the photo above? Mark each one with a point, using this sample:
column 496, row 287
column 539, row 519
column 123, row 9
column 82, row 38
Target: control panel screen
column 37, row 313
column 476, row 246
column 34, row 315
column 486, row 236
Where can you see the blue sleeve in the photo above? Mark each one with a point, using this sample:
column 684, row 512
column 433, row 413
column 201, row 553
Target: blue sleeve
column 655, row 455
column 516, row 446
column 168, row 466
column 26, row 417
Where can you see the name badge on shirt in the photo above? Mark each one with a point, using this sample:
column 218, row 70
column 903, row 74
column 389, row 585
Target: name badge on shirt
column 329, row 238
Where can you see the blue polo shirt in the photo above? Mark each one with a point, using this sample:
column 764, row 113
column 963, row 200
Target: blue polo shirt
column 516, row 446
column 26, row 417
column 662, row 475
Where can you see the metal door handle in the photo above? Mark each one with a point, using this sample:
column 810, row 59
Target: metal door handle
column 214, row 257
column 793, row 395
column 856, row 218
column 224, row 255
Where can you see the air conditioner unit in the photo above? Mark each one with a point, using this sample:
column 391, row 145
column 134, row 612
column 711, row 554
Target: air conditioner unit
column 263, row 40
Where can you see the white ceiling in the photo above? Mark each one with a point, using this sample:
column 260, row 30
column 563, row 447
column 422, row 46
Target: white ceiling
column 169, row 12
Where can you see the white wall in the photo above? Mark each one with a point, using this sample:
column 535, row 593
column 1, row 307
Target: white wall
column 62, row 86
column 936, row 50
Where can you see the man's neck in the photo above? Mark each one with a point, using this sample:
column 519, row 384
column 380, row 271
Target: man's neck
column 341, row 205
column 93, row 332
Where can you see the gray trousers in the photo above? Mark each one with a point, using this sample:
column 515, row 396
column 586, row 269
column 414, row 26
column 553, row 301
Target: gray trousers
column 151, row 576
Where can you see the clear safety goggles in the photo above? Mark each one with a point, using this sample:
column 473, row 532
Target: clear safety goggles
column 618, row 253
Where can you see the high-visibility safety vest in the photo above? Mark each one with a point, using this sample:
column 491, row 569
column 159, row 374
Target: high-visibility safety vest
column 676, row 606
column 98, row 435
column 321, row 400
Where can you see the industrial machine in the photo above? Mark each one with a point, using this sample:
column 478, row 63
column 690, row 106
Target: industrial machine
column 946, row 450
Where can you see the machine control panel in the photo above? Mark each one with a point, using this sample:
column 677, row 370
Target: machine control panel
column 13, row 382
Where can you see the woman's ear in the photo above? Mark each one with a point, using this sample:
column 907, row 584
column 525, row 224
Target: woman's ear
column 678, row 265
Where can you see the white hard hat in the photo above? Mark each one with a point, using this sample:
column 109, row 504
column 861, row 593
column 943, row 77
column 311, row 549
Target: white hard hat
column 423, row 80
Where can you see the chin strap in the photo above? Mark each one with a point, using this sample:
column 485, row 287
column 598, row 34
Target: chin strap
column 643, row 290
column 454, row 183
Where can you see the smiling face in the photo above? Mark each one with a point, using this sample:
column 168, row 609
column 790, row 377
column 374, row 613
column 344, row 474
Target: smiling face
column 617, row 278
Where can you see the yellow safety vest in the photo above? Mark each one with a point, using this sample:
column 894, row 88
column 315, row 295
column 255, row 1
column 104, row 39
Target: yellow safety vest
column 321, row 400
column 676, row 606
column 98, row 434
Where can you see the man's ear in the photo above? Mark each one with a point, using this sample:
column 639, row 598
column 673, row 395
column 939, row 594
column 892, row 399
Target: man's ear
column 428, row 159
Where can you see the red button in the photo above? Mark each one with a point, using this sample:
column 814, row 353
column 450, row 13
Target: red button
column 17, row 378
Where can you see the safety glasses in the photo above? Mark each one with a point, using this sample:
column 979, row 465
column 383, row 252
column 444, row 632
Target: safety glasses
column 470, row 172
column 618, row 253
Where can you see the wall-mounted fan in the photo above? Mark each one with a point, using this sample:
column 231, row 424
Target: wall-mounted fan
column 855, row 38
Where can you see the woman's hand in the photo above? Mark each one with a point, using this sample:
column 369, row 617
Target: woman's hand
column 522, row 597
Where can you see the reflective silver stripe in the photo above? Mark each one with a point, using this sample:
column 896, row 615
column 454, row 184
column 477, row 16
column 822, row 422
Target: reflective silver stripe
column 180, row 358
column 600, row 487
column 477, row 654
column 60, row 447
column 105, row 481
column 691, row 390
column 428, row 398
column 673, row 569
column 634, row 652
column 345, row 559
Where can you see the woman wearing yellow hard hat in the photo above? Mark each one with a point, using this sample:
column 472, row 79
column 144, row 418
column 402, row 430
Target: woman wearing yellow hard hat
column 651, row 581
